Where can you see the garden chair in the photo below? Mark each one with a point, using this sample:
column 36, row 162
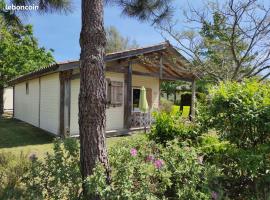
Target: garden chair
column 186, row 111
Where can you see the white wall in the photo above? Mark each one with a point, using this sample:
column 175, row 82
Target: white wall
column 114, row 115
column 50, row 103
column 74, row 106
column 27, row 105
column 8, row 99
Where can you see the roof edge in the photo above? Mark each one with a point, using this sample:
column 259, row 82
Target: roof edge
column 61, row 66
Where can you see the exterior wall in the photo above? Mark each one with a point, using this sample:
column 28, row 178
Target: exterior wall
column 74, row 106
column 8, row 99
column 114, row 115
column 27, row 105
column 50, row 103
column 40, row 107
column 148, row 82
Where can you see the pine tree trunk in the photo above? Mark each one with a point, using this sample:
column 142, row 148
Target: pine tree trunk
column 92, row 90
column 1, row 100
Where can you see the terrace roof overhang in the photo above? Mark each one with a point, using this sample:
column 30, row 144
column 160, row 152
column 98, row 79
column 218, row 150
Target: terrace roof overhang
column 162, row 61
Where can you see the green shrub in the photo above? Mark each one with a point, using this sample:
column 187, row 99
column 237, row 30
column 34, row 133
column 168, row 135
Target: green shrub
column 12, row 169
column 170, row 126
column 211, row 145
column 145, row 170
column 245, row 172
column 240, row 112
column 58, row 175
column 201, row 97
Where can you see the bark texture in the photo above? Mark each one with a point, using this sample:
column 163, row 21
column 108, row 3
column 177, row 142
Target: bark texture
column 92, row 98
column 1, row 100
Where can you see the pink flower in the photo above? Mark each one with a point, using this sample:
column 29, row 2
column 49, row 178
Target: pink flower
column 150, row 158
column 133, row 152
column 159, row 163
column 214, row 195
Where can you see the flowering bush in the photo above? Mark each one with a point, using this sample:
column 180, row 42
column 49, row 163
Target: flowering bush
column 145, row 170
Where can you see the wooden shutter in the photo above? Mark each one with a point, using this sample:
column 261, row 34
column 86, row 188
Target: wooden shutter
column 149, row 97
column 116, row 93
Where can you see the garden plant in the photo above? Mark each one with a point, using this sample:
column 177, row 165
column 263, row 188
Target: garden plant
column 224, row 154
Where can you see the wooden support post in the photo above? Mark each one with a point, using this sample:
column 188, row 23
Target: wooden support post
column 193, row 100
column 62, row 99
column 160, row 77
column 128, row 97
column 39, row 99
column 161, row 67
column 67, row 107
column 65, row 84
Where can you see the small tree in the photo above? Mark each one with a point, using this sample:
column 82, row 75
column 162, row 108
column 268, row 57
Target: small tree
column 116, row 42
column 228, row 41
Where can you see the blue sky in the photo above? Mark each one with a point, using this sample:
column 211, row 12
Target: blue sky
column 61, row 32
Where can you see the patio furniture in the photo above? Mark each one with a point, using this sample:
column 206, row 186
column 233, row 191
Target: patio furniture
column 186, row 112
column 141, row 119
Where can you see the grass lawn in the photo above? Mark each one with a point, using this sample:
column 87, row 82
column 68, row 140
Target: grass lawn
column 17, row 136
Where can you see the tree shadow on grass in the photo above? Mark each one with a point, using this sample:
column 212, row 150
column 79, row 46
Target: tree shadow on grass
column 15, row 133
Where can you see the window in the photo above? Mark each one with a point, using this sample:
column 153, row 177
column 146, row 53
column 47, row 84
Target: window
column 136, row 98
column 27, row 88
column 114, row 93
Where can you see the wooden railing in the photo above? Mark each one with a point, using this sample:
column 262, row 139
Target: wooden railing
column 140, row 119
